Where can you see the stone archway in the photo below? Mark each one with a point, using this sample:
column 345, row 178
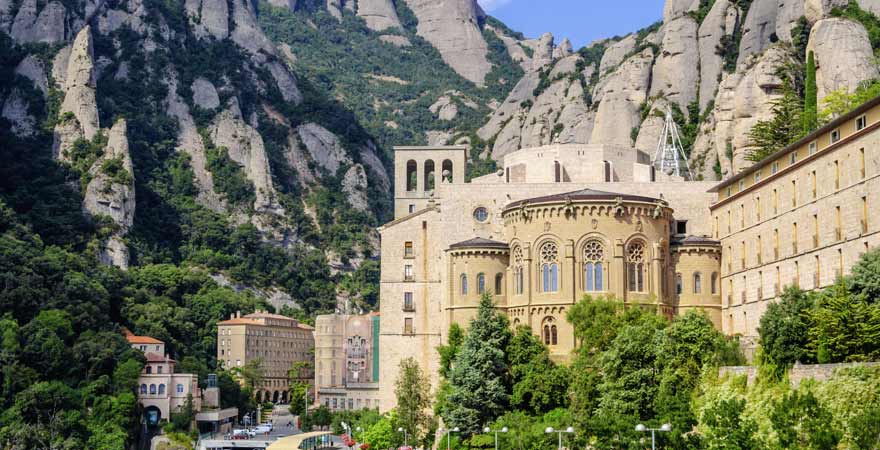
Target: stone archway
column 152, row 416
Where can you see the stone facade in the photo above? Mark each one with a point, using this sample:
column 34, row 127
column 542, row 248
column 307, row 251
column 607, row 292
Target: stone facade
column 347, row 361
column 278, row 341
column 161, row 391
column 802, row 217
column 553, row 224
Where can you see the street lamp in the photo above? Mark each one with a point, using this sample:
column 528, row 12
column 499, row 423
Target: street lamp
column 448, row 432
column 550, row 430
column 665, row 427
column 401, row 430
column 359, row 430
column 488, row 430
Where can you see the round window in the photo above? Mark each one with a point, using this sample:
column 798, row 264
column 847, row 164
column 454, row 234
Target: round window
column 481, row 214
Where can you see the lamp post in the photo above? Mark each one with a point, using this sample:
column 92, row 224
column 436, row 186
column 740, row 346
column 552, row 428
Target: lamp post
column 488, row 430
column 665, row 427
column 359, row 430
column 550, row 430
column 448, row 432
column 405, row 435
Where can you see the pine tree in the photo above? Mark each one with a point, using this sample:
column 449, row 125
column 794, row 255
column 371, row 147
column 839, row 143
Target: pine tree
column 413, row 398
column 479, row 380
column 811, row 106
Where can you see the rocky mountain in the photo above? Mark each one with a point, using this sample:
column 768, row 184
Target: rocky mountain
column 615, row 91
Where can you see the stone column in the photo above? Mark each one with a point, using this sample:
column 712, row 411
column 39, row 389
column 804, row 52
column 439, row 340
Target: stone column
column 617, row 283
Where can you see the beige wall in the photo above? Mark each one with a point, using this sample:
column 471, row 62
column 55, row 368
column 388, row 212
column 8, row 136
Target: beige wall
column 171, row 400
column 334, row 353
column 753, row 275
column 704, row 295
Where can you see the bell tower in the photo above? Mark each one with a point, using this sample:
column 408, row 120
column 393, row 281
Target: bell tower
column 419, row 173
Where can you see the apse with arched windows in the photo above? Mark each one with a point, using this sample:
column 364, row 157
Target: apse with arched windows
column 477, row 271
column 696, row 277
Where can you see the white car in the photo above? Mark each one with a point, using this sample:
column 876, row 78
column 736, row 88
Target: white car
column 262, row 429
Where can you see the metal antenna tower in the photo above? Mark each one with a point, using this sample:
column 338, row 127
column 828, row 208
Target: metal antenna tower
column 670, row 158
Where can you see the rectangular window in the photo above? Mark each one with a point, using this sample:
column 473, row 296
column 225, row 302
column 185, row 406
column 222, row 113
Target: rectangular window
column 408, row 302
column 838, row 229
column 835, row 136
column 794, row 193
column 813, row 148
column 861, row 122
column 836, row 175
column 794, row 238
column 757, row 176
column 775, row 202
column 760, row 252
column 408, row 249
column 864, row 215
column 408, row 272
column 407, row 326
column 742, row 216
column 815, row 230
column 792, row 158
column 681, row 226
column 742, row 185
column 774, row 168
column 758, row 208
column 776, row 243
column 412, row 209
column 729, row 220
column 815, row 183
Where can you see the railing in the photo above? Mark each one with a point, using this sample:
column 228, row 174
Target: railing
column 814, row 193
column 409, row 308
column 409, row 331
column 408, row 277
column 729, row 267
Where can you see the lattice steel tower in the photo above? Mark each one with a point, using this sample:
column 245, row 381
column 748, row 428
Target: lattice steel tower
column 670, row 157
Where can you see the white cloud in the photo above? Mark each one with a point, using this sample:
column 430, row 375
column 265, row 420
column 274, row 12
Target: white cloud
column 492, row 5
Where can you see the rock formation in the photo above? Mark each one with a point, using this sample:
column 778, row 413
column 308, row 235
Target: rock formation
column 616, row 52
column 110, row 193
column 204, row 94
column 673, row 74
column 622, row 96
column 452, row 27
column 721, row 21
column 323, row 146
column 379, row 14
column 15, row 110
column 844, row 57
column 79, row 112
column 47, row 27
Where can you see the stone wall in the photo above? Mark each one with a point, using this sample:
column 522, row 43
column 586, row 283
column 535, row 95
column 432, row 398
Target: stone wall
column 797, row 374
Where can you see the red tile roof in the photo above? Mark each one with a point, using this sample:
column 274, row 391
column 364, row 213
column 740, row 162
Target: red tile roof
column 132, row 339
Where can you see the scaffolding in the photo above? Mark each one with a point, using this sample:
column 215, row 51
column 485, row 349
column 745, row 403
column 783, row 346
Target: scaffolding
column 670, row 157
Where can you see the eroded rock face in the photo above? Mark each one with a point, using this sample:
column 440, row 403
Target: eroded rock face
column 32, row 69
column 286, row 83
column 674, row 73
column 79, row 96
column 615, row 53
column 844, row 57
column 48, row 26
column 208, row 18
column 622, row 95
column 15, row 110
column 542, row 51
column 245, row 147
column 563, row 50
column 720, row 22
column 110, row 193
column 444, row 108
column 816, row 10
column 204, row 94
column 395, row 40
column 451, row 26
column 758, row 27
column 674, row 9
column 246, row 32
column 789, row 11
column 354, row 184
column 323, row 146
column 369, row 157
column 379, row 14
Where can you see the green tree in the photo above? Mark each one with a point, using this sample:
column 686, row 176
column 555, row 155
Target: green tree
column 539, row 385
column 251, row 373
column 842, row 101
column 785, row 126
column 449, row 352
column 184, row 417
column 595, row 322
column 801, row 422
column 844, row 327
column 783, row 331
column 865, row 278
column 298, row 385
column 413, row 398
column 479, row 382
column 726, row 428
column 383, row 435
column 811, row 105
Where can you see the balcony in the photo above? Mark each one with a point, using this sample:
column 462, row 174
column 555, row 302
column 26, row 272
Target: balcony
column 408, row 307
column 408, row 277
column 838, row 234
column 815, row 241
column 409, row 331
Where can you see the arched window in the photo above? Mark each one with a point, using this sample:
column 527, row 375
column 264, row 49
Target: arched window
column 550, row 267
column 499, row 279
column 678, row 284
column 463, row 282
column 698, row 283
column 143, row 389
column 152, row 389
column 429, row 175
column 635, row 266
column 481, row 283
column 161, row 389
column 518, row 271
column 447, row 173
column 714, row 283
column 549, row 335
column 594, row 276
column 179, row 388
column 411, row 175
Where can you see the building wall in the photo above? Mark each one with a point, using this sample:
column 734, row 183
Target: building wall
column 462, row 307
column 345, row 361
column 781, row 231
column 171, row 400
column 688, row 262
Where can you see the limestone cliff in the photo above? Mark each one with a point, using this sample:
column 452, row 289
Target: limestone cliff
column 79, row 112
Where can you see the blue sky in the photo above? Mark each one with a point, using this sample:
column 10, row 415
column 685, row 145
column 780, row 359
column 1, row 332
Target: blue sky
column 582, row 21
